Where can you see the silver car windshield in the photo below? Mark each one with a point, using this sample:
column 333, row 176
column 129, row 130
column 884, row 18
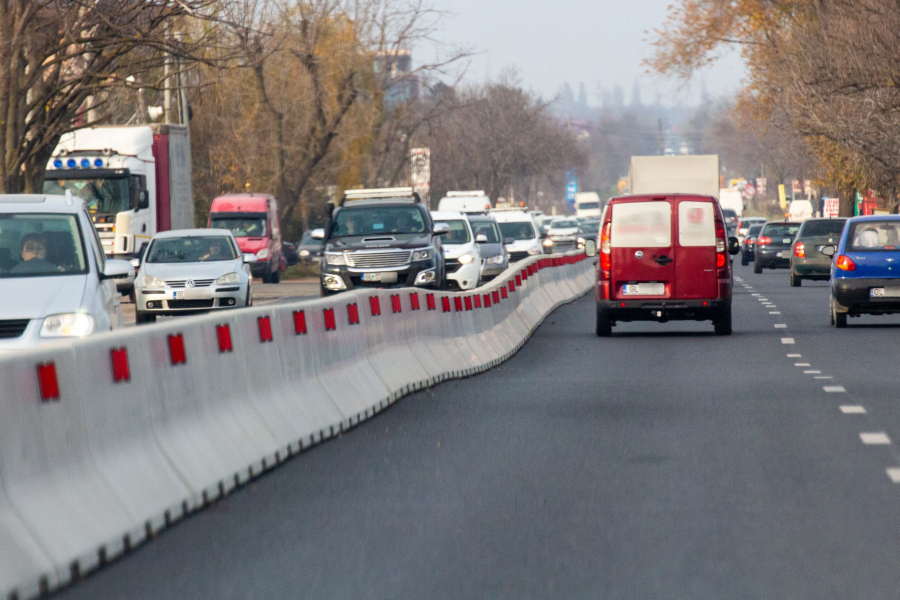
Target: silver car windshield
column 40, row 245
column 191, row 249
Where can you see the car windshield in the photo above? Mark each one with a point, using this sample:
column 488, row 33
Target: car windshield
column 729, row 213
column 776, row 230
column 589, row 227
column 522, row 230
column 377, row 220
column 240, row 225
column 754, row 230
column 564, row 224
column 867, row 236
column 207, row 248
column 459, row 233
column 308, row 240
column 102, row 195
column 488, row 229
column 40, row 245
column 588, row 206
column 826, row 227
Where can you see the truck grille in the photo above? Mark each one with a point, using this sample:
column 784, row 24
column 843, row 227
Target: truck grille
column 198, row 283
column 12, row 328
column 378, row 260
column 191, row 303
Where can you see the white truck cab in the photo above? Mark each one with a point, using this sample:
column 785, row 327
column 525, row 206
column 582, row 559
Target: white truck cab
column 462, row 254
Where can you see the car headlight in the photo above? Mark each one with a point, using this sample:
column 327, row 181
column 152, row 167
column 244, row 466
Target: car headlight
column 228, row 279
column 304, row 253
column 534, row 250
column 335, row 258
column 149, row 281
column 465, row 259
column 548, row 242
column 263, row 254
column 67, row 325
column 495, row 260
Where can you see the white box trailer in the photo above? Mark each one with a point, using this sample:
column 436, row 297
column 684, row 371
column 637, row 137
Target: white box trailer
column 675, row 175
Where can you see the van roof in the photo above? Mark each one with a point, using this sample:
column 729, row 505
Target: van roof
column 650, row 197
column 241, row 203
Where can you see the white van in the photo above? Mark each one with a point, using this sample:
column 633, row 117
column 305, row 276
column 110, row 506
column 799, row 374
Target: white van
column 475, row 201
column 587, row 205
column 519, row 226
column 462, row 255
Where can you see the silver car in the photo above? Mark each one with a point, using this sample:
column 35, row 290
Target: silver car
column 55, row 281
column 494, row 257
column 189, row 271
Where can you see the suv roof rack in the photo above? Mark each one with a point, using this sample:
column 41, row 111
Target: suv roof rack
column 381, row 193
column 469, row 194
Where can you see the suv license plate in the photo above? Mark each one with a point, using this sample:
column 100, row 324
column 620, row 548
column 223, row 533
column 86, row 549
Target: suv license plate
column 644, row 289
column 891, row 292
column 371, row 276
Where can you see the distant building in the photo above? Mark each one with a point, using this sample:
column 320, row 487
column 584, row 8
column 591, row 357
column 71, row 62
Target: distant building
column 394, row 68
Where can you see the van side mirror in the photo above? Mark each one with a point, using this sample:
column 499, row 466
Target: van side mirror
column 590, row 247
column 481, row 239
column 318, row 234
column 734, row 246
column 829, row 251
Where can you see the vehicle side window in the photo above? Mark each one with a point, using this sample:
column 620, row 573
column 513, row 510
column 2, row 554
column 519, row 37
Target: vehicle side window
column 96, row 246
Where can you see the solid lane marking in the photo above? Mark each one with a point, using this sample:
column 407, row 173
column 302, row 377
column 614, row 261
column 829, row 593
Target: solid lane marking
column 894, row 474
column 834, row 389
column 853, row 409
column 875, row 439
column 802, row 364
column 787, row 340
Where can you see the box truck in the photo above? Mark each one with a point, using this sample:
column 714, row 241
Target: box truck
column 675, row 175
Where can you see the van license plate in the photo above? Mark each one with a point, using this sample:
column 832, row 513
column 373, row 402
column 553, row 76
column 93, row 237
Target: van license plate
column 644, row 289
column 371, row 276
column 891, row 292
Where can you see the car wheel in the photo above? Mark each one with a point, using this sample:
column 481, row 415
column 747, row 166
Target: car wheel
column 275, row 277
column 757, row 266
column 249, row 300
column 831, row 312
column 745, row 260
column 142, row 317
column 796, row 281
column 604, row 324
column 722, row 323
column 839, row 318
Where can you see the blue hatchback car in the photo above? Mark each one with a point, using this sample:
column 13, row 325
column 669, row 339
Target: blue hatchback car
column 865, row 271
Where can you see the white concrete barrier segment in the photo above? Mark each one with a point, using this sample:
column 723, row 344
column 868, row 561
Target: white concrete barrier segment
column 104, row 441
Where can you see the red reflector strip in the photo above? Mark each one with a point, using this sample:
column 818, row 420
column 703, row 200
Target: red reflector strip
column 487, row 300
column 477, row 300
column 496, row 296
column 504, row 293
column 445, row 304
column 223, row 333
column 414, row 300
column 353, row 314
column 330, row 323
column 457, row 304
column 395, row 303
column 468, row 301
column 119, row 359
column 265, row 329
column 429, row 300
column 177, row 354
column 523, row 275
column 47, row 382
column 299, row 322
column 518, row 282
column 375, row 305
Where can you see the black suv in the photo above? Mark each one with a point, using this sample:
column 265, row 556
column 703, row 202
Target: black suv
column 382, row 238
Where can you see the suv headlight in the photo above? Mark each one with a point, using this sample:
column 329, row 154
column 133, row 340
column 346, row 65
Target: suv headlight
column 422, row 254
column 67, row 325
column 149, row 281
column 263, row 254
column 534, row 250
column 335, row 258
column 495, row 260
column 228, row 279
column 465, row 259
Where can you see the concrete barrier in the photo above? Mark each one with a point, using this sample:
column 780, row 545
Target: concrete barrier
column 105, row 441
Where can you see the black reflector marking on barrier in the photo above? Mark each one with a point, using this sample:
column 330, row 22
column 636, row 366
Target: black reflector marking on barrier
column 119, row 359
column 47, row 382
column 223, row 333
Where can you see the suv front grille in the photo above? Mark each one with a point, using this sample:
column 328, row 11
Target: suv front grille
column 517, row 256
column 198, row 283
column 378, row 260
column 12, row 328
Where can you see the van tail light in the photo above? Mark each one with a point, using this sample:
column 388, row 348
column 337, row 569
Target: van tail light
column 763, row 240
column 605, row 248
column 799, row 250
column 844, row 263
column 721, row 256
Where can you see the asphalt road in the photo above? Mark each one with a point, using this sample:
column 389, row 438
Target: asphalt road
column 663, row 463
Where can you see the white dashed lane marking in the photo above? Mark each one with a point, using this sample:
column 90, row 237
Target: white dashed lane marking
column 875, row 439
column 812, row 372
column 774, row 312
column 780, row 326
column 787, row 340
column 801, row 364
column 894, row 474
column 834, row 389
column 795, row 356
column 853, row 409
column 823, row 377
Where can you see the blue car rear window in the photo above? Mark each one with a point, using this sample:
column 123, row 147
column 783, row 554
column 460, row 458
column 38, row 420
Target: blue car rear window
column 873, row 236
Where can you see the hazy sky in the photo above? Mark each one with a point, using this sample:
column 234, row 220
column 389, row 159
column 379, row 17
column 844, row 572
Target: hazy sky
column 552, row 42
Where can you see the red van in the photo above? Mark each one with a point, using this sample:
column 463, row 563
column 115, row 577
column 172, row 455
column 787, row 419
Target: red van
column 662, row 258
column 253, row 220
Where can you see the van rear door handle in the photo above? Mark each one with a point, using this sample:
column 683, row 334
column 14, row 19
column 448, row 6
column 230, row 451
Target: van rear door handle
column 663, row 260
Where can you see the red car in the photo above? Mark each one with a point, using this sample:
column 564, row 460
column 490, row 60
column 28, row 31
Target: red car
column 662, row 258
column 253, row 220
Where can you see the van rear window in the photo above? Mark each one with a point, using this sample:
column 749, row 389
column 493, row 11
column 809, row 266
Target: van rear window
column 641, row 225
column 696, row 224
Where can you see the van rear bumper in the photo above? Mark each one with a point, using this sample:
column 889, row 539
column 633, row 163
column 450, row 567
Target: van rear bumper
column 662, row 310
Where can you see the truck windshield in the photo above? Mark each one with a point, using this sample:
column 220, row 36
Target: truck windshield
column 587, row 206
column 191, row 249
column 40, row 245
column 517, row 231
column 102, row 195
column 240, row 225
column 378, row 220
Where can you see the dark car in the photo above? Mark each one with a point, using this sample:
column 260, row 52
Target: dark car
column 747, row 248
column 865, row 273
column 381, row 238
column 773, row 245
column 807, row 259
column 588, row 230
column 289, row 251
column 309, row 249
